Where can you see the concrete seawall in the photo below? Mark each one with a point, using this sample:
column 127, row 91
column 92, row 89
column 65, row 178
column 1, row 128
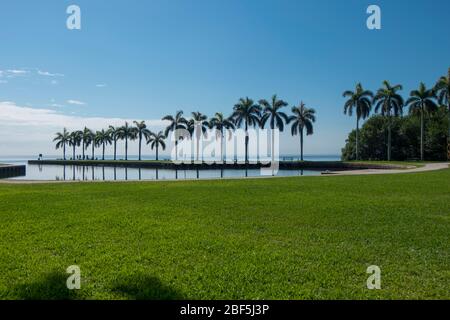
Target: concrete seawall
column 11, row 171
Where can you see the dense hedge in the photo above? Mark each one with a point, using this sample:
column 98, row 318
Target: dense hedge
column 405, row 138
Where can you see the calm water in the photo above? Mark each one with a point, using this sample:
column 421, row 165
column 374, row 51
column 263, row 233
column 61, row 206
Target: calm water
column 89, row 173
column 67, row 173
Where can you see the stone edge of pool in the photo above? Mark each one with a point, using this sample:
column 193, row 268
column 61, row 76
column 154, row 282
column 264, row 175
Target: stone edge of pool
column 11, row 171
column 283, row 165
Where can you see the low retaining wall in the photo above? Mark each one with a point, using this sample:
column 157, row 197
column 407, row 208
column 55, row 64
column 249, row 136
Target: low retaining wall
column 11, row 171
column 285, row 165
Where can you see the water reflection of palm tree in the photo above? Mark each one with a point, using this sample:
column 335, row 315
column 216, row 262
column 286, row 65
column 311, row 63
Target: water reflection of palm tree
column 139, row 174
column 64, row 172
column 103, row 172
column 157, row 174
column 115, row 173
column 93, row 173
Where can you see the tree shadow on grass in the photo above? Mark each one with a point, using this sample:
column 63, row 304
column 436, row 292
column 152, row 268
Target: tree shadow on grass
column 50, row 286
column 144, row 287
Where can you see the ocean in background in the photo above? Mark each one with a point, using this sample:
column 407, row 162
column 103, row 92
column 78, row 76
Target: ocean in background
column 24, row 159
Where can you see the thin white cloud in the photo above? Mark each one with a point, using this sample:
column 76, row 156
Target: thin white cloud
column 101, row 85
column 76, row 102
column 48, row 74
column 17, row 71
column 3, row 81
column 28, row 131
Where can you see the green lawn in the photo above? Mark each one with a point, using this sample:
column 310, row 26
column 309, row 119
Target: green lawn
column 286, row 238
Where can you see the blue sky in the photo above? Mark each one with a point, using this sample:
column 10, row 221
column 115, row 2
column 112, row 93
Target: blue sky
column 145, row 59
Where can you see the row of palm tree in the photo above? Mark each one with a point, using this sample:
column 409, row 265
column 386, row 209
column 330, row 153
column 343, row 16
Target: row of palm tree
column 388, row 102
column 110, row 136
column 246, row 114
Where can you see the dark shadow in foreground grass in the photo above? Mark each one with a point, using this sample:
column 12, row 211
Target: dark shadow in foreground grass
column 144, row 287
column 51, row 286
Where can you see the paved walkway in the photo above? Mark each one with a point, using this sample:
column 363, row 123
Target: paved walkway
column 427, row 167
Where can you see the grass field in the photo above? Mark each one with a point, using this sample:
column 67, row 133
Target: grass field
column 286, row 238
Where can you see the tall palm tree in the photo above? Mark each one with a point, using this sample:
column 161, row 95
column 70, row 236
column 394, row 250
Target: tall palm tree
column 422, row 101
column 156, row 140
column 61, row 139
column 114, row 132
column 75, row 139
column 103, row 138
column 126, row 133
column 389, row 103
column 220, row 123
column 142, row 132
column 201, row 125
column 86, row 139
column 246, row 112
column 442, row 89
column 277, row 118
column 302, row 119
column 361, row 101
column 177, row 122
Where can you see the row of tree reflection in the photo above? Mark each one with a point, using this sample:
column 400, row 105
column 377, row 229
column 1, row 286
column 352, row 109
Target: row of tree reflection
column 94, row 173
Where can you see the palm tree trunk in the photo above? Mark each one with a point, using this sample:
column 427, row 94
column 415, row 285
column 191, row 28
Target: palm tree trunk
column 221, row 146
column 64, row 151
column 301, row 144
column 83, row 149
column 126, row 148
column 198, row 145
column 103, row 155
column 246, row 141
column 156, row 152
column 115, row 149
column 93, row 150
column 421, row 135
column 357, row 131
column 176, row 149
column 74, row 152
column 273, row 146
column 389, row 138
column 140, row 146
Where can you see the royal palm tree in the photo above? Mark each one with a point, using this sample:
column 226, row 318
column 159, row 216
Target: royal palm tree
column 156, row 140
column 276, row 118
column 389, row 103
column 442, row 89
column 75, row 139
column 142, row 132
column 103, row 138
column 220, row 123
column 61, row 139
column 361, row 101
column 177, row 122
column 86, row 139
column 126, row 133
column 201, row 125
column 114, row 132
column 302, row 120
column 422, row 101
column 246, row 112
